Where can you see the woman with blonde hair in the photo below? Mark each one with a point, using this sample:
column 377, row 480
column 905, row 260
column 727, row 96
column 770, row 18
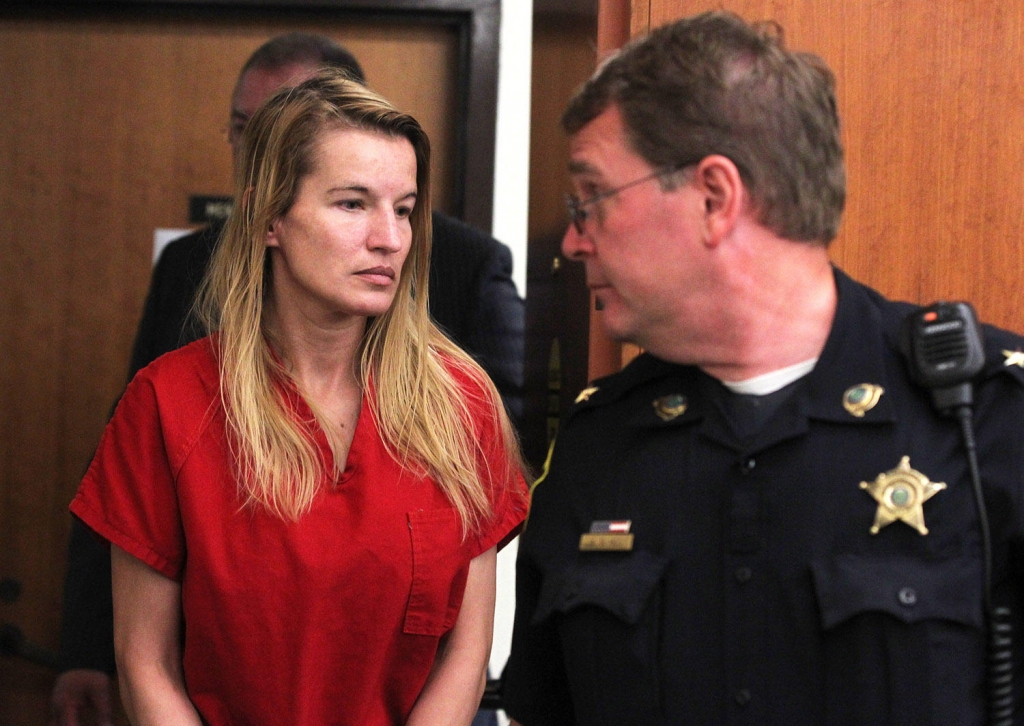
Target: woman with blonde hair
column 305, row 506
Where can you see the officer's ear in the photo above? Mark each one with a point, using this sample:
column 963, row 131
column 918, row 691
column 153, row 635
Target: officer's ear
column 719, row 181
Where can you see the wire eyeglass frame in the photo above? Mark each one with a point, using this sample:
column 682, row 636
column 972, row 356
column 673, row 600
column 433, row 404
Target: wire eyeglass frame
column 576, row 207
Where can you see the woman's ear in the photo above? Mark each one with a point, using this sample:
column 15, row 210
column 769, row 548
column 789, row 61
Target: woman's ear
column 273, row 237
column 719, row 180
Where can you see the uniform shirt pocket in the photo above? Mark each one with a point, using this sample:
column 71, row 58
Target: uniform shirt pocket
column 619, row 584
column 607, row 610
column 910, row 589
column 896, row 633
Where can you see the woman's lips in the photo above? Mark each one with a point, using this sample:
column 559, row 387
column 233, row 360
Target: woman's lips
column 378, row 275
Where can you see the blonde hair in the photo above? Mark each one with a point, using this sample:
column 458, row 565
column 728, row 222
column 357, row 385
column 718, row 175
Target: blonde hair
column 411, row 369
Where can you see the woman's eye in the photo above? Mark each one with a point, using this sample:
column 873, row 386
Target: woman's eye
column 350, row 204
column 403, row 212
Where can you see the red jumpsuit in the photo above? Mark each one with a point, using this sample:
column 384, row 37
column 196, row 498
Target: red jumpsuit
column 333, row 619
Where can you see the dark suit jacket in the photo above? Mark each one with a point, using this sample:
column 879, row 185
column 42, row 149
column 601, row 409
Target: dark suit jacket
column 472, row 298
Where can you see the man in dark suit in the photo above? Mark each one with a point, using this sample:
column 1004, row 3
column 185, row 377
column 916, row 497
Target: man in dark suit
column 472, row 298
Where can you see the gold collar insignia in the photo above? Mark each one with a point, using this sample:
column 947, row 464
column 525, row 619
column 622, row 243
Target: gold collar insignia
column 861, row 398
column 670, row 407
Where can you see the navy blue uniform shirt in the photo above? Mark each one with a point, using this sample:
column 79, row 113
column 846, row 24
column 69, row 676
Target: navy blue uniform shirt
column 755, row 591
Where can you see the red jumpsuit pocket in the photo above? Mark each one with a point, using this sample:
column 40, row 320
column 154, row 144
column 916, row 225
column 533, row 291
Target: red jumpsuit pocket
column 439, row 570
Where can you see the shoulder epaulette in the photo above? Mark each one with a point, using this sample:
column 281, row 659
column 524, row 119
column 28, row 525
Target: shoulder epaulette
column 609, row 388
column 1004, row 354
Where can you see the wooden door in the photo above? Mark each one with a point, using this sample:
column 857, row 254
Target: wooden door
column 931, row 96
column 109, row 122
column 556, row 331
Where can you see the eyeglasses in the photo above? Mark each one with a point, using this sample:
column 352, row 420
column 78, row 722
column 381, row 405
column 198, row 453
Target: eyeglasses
column 576, row 207
column 235, row 128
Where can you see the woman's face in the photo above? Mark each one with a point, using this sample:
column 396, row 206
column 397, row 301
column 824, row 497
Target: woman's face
column 338, row 252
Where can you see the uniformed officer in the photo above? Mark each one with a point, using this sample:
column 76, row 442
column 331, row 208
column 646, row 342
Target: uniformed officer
column 763, row 519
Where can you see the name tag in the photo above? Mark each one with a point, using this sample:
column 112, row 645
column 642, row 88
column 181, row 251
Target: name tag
column 606, row 542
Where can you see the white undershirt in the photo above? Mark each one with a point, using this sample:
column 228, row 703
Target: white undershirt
column 773, row 381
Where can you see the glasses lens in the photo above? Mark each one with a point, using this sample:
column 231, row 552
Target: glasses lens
column 576, row 213
column 235, row 131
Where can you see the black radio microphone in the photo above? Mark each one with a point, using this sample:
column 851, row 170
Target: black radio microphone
column 943, row 345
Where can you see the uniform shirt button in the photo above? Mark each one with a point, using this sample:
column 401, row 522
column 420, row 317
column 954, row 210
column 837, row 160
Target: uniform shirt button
column 743, row 574
column 907, row 596
column 747, row 465
column 742, row 696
